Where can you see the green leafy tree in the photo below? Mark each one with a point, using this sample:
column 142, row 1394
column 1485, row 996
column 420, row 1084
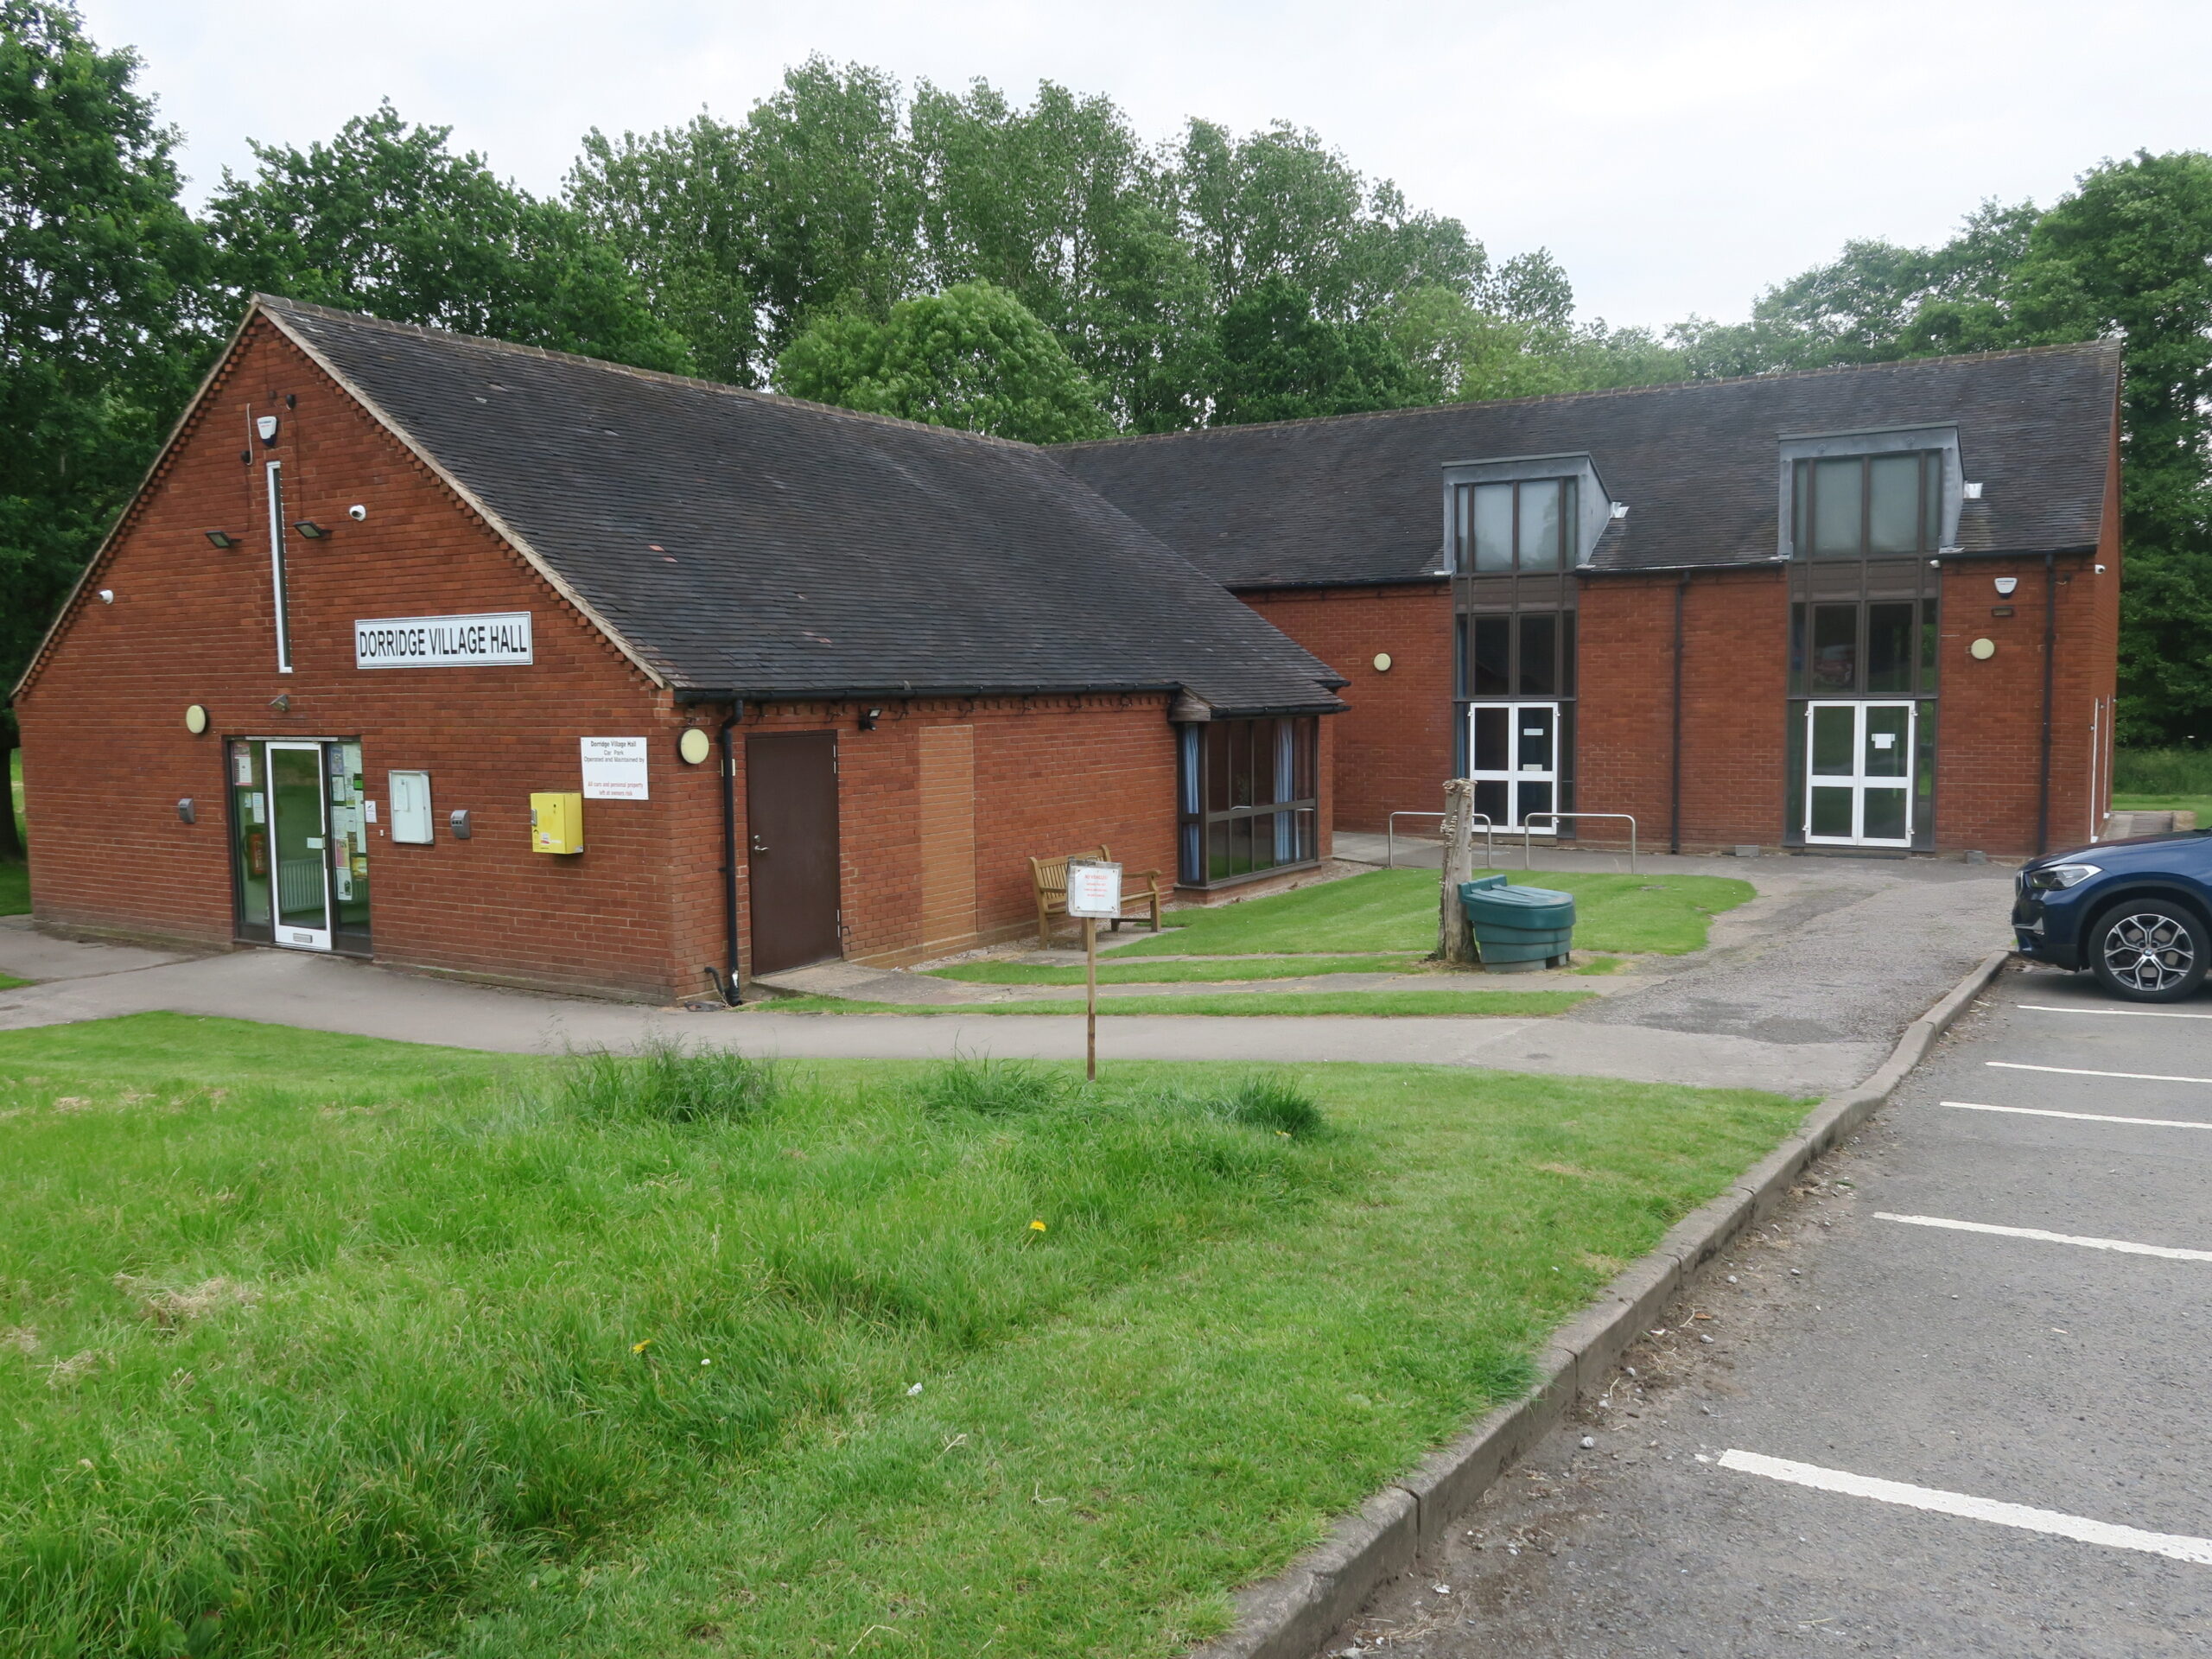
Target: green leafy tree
column 2129, row 254
column 100, row 334
column 1280, row 362
column 972, row 357
column 1061, row 205
column 384, row 219
column 743, row 234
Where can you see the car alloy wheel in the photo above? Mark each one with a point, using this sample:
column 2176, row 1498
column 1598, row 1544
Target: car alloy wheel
column 2149, row 950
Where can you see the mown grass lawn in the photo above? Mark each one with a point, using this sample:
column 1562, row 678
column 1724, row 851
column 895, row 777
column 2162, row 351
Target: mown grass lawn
column 314, row 1344
column 15, row 887
column 1173, row 973
column 1396, row 910
column 1354, row 1004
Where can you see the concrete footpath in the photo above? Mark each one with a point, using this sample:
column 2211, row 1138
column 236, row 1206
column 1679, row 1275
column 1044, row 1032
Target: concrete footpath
column 1801, row 991
column 1948, row 1401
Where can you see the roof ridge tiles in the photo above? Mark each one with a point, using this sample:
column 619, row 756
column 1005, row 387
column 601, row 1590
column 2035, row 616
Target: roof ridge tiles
column 2107, row 348
column 700, row 383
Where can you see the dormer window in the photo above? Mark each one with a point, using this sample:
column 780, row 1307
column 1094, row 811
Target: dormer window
column 1527, row 526
column 1860, row 495
column 1521, row 514
column 1851, row 506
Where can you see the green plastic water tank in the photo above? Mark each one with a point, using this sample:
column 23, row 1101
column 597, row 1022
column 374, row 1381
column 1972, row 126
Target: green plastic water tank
column 1517, row 923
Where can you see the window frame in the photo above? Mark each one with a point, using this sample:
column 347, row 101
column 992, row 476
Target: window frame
column 1198, row 814
column 1944, row 475
column 1568, row 486
column 1928, row 507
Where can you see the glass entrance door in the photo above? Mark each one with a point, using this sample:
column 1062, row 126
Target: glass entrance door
column 1513, row 748
column 299, row 840
column 1858, row 774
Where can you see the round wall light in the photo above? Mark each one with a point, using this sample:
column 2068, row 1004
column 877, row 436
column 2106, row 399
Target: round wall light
column 695, row 745
column 1982, row 650
column 195, row 720
column 1381, row 662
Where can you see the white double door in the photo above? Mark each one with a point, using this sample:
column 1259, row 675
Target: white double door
column 1513, row 757
column 1858, row 760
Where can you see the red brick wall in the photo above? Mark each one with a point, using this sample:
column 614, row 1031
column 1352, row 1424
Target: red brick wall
column 1052, row 774
column 1735, row 643
column 1394, row 749
column 106, row 756
column 1988, row 743
column 640, row 912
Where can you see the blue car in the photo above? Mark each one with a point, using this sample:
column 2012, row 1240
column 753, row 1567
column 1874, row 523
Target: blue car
column 2136, row 914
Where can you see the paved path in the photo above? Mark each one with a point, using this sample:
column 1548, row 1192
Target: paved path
column 1800, row 992
column 1983, row 1371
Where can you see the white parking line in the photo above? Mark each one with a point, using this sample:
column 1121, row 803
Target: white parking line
column 2080, row 1071
column 2133, row 1013
column 2124, row 1246
column 2078, row 1117
column 2177, row 1546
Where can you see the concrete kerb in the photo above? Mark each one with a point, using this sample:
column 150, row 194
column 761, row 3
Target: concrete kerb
column 1289, row 1617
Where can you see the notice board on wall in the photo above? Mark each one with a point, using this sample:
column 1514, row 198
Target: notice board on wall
column 614, row 769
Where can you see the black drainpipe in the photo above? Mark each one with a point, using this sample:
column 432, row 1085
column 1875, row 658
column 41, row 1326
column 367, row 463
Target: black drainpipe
column 2049, row 665
column 1674, row 792
column 729, row 854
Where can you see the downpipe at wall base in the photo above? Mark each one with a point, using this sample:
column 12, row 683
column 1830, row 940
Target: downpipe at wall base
column 729, row 991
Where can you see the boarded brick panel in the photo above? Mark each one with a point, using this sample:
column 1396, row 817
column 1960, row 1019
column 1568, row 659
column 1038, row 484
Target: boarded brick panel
column 948, row 825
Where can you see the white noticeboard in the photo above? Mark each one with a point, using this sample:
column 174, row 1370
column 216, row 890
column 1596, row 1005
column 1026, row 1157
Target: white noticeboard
column 411, row 806
column 614, row 768
column 1094, row 890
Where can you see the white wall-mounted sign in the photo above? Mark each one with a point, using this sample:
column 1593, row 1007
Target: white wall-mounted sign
column 614, row 768
column 410, row 807
column 1094, row 889
column 496, row 641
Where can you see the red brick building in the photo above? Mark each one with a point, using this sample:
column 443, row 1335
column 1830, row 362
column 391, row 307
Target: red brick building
column 486, row 660
column 1870, row 609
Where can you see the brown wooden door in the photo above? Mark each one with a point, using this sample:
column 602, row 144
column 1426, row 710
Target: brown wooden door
column 791, row 816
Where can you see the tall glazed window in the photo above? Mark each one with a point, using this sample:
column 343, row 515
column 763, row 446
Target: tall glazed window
column 1248, row 797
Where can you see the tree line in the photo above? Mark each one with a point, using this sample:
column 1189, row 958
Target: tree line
column 1038, row 270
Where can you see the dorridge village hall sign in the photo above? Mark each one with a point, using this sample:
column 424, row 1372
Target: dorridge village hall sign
column 492, row 641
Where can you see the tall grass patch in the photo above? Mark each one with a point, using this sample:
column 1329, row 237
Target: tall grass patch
column 2177, row 772
column 284, row 1364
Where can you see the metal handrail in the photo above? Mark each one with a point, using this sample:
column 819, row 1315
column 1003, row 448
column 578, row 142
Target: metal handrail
column 1527, row 822
column 1390, row 837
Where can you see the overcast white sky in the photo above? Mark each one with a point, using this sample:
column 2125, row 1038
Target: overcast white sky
column 1674, row 157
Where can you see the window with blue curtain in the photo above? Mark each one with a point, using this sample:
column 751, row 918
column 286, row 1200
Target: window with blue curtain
column 1249, row 802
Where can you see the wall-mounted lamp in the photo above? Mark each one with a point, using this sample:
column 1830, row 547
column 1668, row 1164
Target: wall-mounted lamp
column 2005, row 585
column 221, row 539
column 695, row 746
column 195, row 719
column 186, row 812
column 312, row 530
column 1620, row 509
column 281, row 702
column 1972, row 491
column 107, row 595
column 868, row 717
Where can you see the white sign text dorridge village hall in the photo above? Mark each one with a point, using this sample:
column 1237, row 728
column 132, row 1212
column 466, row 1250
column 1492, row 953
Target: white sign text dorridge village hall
column 443, row 641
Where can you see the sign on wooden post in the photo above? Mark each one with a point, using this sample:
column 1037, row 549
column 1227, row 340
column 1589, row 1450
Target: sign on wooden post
column 1094, row 895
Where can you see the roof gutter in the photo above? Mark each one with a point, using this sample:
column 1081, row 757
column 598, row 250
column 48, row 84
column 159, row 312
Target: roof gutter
column 687, row 695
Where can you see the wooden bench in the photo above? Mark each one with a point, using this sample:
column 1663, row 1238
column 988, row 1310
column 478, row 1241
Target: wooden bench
column 1050, row 877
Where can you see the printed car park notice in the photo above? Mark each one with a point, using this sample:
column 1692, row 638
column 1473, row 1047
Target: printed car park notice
column 614, row 769
column 494, row 641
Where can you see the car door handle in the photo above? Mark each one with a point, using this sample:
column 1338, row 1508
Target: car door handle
column 759, row 845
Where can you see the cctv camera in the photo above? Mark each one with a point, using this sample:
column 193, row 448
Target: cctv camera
column 357, row 513
column 107, row 595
